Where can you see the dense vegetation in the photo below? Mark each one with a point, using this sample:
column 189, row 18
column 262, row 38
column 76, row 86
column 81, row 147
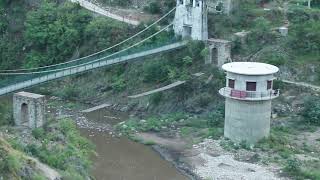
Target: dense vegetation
column 153, row 6
column 61, row 146
column 14, row 165
column 53, row 32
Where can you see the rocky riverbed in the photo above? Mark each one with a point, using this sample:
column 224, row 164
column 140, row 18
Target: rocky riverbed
column 205, row 160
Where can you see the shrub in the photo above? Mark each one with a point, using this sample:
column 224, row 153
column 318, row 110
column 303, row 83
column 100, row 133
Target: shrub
column 155, row 71
column 204, row 99
column 68, row 92
column 305, row 37
column 311, row 112
column 261, row 31
column 38, row 133
column 187, row 61
column 9, row 163
column 278, row 84
column 38, row 177
column 216, row 118
column 195, row 48
column 292, row 166
column 156, row 98
column 273, row 58
column 119, row 84
column 215, row 133
column 5, row 114
column 153, row 7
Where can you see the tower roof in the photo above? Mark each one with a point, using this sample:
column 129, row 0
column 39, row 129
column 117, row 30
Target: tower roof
column 250, row 68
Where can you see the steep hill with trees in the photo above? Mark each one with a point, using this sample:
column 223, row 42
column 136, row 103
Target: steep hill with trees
column 38, row 34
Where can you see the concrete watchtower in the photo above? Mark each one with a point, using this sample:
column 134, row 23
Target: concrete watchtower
column 248, row 92
column 191, row 19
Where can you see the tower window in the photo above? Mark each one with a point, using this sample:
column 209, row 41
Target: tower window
column 269, row 84
column 197, row 3
column 231, row 83
column 251, row 86
column 219, row 7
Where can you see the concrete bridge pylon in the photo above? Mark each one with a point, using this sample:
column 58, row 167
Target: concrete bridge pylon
column 191, row 19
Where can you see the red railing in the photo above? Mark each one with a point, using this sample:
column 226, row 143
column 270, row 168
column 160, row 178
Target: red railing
column 269, row 94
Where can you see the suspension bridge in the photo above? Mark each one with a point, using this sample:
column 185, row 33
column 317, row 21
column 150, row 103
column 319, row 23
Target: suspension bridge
column 17, row 79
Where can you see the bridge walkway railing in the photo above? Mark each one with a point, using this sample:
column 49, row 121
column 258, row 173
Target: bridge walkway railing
column 25, row 81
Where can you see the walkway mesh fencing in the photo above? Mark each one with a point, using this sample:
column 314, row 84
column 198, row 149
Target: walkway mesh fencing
column 99, row 60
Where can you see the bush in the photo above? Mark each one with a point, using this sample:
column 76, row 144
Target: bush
column 153, row 7
column 54, row 31
column 305, row 37
column 273, row 58
column 155, row 71
column 9, row 163
column 69, row 92
column 38, row 133
column 38, row 177
column 292, row 166
column 311, row 112
column 216, row 119
column 261, row 31
column 278, row 84
column 5, row 114
column 156, row 98
column 204, row 99
column 215, row 133
column 119, row 84
column 151, row 124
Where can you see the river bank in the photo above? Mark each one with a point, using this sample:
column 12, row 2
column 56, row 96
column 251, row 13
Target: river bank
column 203, row 160
column 117, row 156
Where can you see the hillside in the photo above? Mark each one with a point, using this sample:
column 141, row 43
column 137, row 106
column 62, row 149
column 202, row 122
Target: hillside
column 179, row 122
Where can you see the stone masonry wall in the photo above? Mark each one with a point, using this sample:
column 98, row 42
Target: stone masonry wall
column 35, row 109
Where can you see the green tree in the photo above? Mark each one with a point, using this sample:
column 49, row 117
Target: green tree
column 153, row 7
column 155, row 71
column 262, row 31
column 305, row 37
column 101, row 33
column 3, row 21
column 54, row 30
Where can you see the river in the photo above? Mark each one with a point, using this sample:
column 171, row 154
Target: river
column 123, row 159
column 118, row 158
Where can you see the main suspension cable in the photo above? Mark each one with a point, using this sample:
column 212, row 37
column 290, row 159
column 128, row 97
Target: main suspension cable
column 104, row 50
column 79, row 65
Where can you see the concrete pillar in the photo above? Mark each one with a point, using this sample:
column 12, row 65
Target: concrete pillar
column 219, row 52
column 242, row 37
column 29, row 109
column 309, row 4
column 191, row 22
column 283, row 31
column 248, row 94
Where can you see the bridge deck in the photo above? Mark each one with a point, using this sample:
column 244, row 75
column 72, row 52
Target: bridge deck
column 178, row 83
column 92, row 7
column 88, row 67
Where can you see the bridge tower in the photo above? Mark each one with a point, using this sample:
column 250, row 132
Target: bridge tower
column 191, row 19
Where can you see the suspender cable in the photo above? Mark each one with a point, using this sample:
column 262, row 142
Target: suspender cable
column 104, row 50
column 91, row 62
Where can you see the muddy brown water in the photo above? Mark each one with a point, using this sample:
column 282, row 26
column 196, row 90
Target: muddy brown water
column 123, row 159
